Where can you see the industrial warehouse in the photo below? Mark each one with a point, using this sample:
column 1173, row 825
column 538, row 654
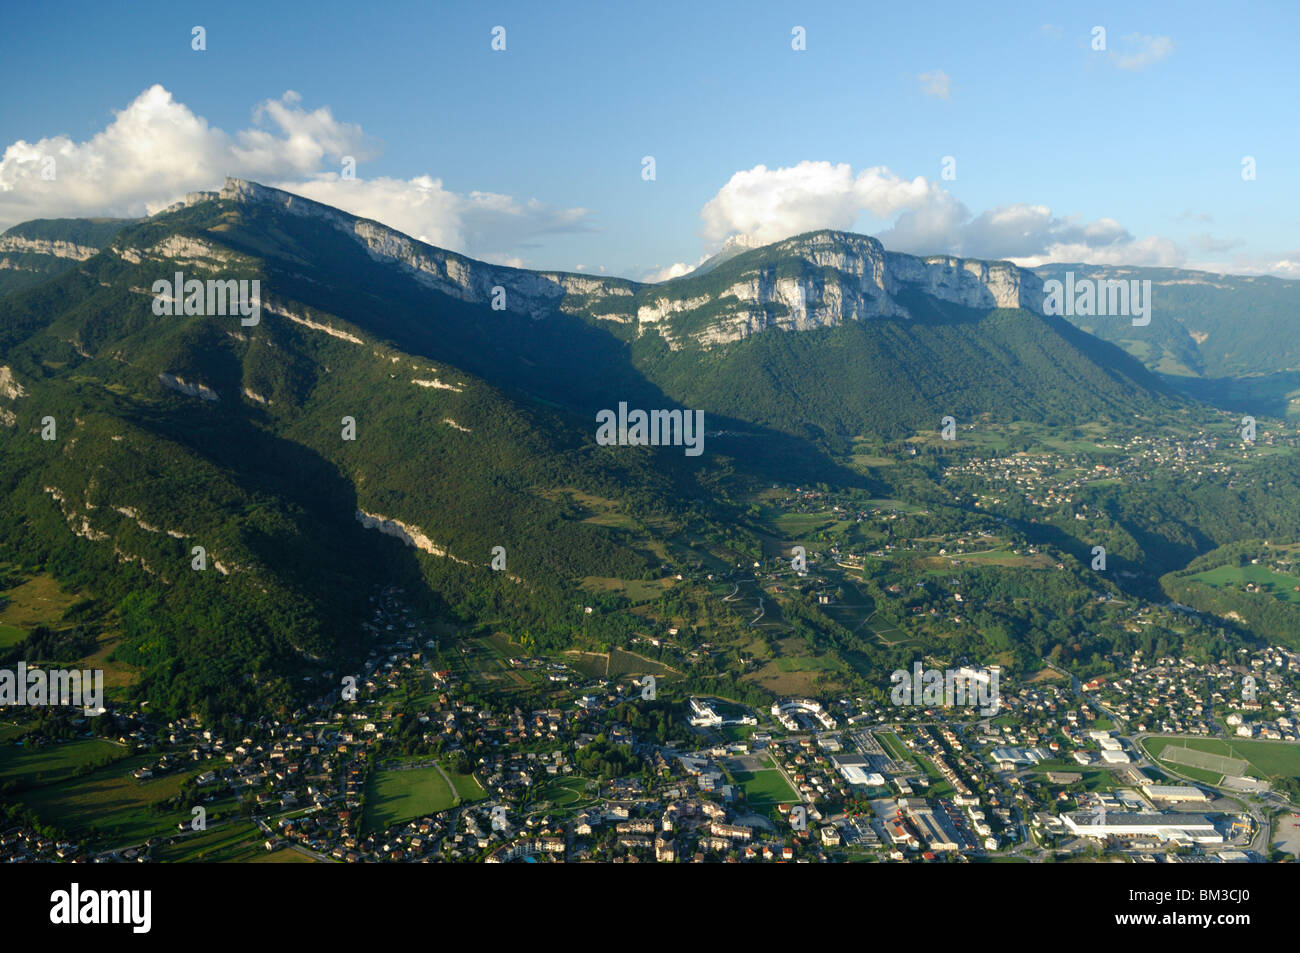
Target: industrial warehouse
column 1196, row 828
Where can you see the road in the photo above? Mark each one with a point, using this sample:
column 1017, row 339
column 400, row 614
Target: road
column 1259, row 844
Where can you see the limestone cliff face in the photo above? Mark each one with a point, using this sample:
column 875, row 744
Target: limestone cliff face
column 810, row 281
column 38, row 246
column 192, row 388
column 968, row 282
column 21, row 254
column 535, row 293
column 824, row 279
column 181, row 252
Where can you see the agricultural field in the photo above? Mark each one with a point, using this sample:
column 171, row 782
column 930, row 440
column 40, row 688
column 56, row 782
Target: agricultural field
column 597, row 510
column 856, row 607
column 622, row 662
column 1279, row 585
column 617, row 662
column 635, row 590
column 1011, row 437
column 50, row 763
column 111, row 802
column 117, row 675
column 793, row 676
column 795, row 670
column 798, row 526
column 37, row 601
column 285, row 855
column 1046, row 674
column 593, row 664
column 942, row 565
column 868, row 452
column 215, row 845
column 484, row 662
column 806, row 663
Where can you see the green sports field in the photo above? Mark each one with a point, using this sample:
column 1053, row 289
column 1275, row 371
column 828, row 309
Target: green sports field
column 765, row 788
column 894, row 745
column 396, row 796
column 1266, row 759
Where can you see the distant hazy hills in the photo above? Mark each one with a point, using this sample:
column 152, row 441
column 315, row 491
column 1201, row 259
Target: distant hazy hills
column 1229, row 339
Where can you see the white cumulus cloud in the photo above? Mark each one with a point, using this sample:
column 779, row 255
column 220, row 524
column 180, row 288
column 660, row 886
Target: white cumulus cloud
column 484, row 224
column 675, row 270
column 156, row 149
column 762, row 205
column 766, row 205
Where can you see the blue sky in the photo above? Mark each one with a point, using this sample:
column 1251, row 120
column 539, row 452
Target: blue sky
column 533, row 155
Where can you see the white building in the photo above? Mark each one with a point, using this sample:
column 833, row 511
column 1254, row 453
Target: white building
column 1101, row 824
column 703, row 715
column 853, row 767
column 784, row 713
column 1176, row 792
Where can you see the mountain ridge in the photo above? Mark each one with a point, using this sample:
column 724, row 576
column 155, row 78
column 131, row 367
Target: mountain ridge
column 872, row 277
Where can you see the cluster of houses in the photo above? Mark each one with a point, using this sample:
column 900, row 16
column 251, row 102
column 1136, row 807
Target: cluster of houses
column 1256, row 695
column 1050, row 480
column 20, row 843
